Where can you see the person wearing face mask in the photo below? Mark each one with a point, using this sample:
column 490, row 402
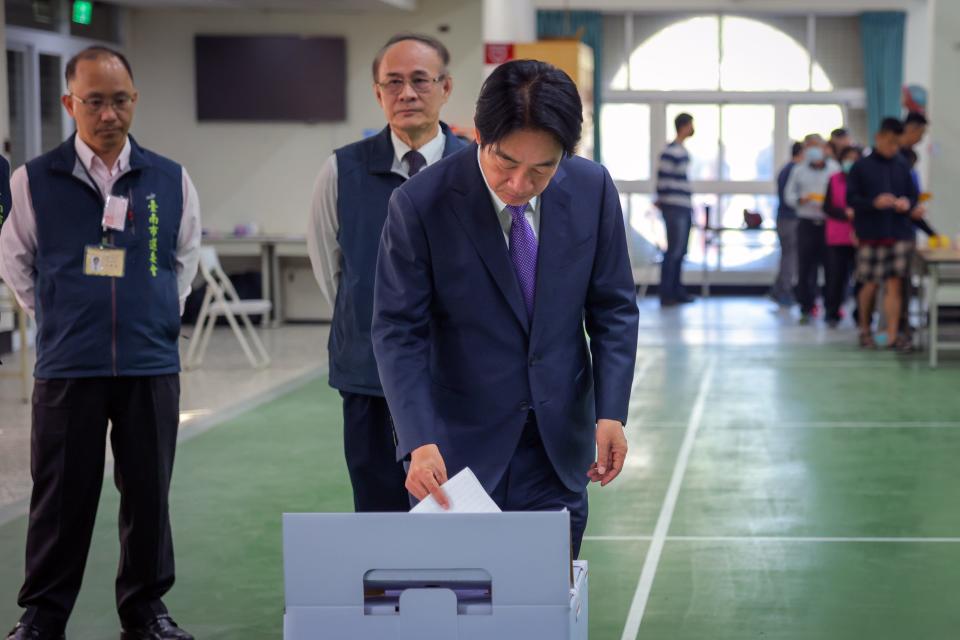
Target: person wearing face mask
column 805, row 191
column 841, row 254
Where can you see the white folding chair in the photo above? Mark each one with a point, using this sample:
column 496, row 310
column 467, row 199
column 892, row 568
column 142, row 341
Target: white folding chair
column 221, row 299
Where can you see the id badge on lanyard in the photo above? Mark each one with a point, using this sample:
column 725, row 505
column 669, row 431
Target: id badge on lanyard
column 105, row 260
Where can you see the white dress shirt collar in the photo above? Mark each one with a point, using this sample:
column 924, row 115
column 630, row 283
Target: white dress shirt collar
column 432, row 151
column 96, row 166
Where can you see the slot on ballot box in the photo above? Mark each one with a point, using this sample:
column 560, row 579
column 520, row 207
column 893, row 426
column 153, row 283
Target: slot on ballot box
column 456, row 576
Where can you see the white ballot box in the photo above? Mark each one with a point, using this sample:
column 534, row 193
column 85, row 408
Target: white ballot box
column 469, row 576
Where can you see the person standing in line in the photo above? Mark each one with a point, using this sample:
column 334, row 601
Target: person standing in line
column 841, row 252
column 905, row 227
column 805, row 192
column 102, row 246
column 411, row 82
column 881, row 192
column 839, row 140
column 675, row 201
column 784, row 286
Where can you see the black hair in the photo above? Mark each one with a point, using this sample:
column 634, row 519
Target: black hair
column 682, row 120
column 529, row 94
column 839, row 133
column 796, row 149
column 891, row 125
column 915, row 117
column 851, row 149
column 95, row 53
column 430, row 41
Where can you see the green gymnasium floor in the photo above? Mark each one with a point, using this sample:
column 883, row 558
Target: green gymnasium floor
column 781, row 485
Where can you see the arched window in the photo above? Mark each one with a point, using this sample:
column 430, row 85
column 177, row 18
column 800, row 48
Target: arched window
column 753, row 85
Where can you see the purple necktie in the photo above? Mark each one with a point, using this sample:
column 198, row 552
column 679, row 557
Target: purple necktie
column 523, row 254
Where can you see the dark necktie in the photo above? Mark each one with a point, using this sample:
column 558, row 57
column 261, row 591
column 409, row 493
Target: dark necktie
column 415, row 161
column 523, row 254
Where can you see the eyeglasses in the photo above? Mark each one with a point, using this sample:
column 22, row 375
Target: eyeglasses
column 120, row 102
column 420, row 84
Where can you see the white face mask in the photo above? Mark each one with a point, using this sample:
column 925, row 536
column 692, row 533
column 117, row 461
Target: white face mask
column 813, row 155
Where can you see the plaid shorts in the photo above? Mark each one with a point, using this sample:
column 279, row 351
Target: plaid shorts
column 879, row 263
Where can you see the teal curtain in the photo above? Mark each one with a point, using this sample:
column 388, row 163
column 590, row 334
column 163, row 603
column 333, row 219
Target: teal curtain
column 881, row 36
column 555, row 24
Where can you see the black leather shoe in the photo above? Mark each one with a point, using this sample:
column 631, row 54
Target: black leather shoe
column 160, row 628
column 30, row 632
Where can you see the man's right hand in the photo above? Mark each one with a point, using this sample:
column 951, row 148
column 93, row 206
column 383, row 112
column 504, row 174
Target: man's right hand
column 885, row 201
column 427, row 472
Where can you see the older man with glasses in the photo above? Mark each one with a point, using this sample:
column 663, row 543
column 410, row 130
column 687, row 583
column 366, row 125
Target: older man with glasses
column 411, row 82
column 101, row 245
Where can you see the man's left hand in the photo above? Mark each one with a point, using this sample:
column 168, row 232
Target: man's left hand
column 611, row 452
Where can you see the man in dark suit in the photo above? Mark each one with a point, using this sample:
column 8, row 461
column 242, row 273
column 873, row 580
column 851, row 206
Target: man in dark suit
column 491, row 263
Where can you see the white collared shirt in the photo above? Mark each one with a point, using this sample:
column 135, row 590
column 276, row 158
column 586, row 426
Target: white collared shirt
column 18, row 241
column 324, row 223
column 531, row 213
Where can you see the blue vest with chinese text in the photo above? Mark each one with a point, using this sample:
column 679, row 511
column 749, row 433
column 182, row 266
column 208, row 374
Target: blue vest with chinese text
column 90, row 326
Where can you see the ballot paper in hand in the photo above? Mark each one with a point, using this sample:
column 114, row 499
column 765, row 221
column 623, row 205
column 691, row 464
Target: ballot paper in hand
column 466, row 495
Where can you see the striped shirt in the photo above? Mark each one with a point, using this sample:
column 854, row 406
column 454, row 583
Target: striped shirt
column 673, row 185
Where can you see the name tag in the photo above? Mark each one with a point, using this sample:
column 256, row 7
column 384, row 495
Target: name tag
column 115, row 213
column 106, row 262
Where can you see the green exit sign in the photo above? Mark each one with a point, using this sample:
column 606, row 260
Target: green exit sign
column 82, row 11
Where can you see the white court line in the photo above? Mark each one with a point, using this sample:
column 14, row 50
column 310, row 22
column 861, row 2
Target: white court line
column 802, row 539
column 642, row 594
column 638, row 379
column 933, row 424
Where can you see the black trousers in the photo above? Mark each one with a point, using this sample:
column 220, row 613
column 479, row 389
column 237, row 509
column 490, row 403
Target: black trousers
column 812, row 245
column 371, row 452
column 67, row 460
column 531, row 484
column 840, row 263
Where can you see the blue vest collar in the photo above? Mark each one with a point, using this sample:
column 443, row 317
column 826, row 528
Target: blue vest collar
column 382, row 153
column 65, row 156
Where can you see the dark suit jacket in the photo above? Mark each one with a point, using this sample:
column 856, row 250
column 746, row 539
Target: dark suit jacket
column 460, row 363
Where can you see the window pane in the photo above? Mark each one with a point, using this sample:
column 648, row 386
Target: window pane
column 748, row 250
column 683, row 55
column 17, row 101
column 646, row 235
column 760, row 57
column 34, row 14
column 805, row 119
column 701, row 202
column 51, row 120
column 704, row 146
column 747, row 138
column 625, row 140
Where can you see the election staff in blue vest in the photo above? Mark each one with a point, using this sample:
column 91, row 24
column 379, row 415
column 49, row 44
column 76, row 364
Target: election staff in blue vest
column 101, row 247
column 495, row 266
column 411, row 82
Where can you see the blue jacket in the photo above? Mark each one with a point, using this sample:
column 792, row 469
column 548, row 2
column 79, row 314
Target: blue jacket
column 97, row 326
column 461, row 364
column 364, row 184
column 784, row 210
column 870, row 177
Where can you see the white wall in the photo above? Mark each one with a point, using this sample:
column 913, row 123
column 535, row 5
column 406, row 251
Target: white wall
column 264, row 172
column 944, row 142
